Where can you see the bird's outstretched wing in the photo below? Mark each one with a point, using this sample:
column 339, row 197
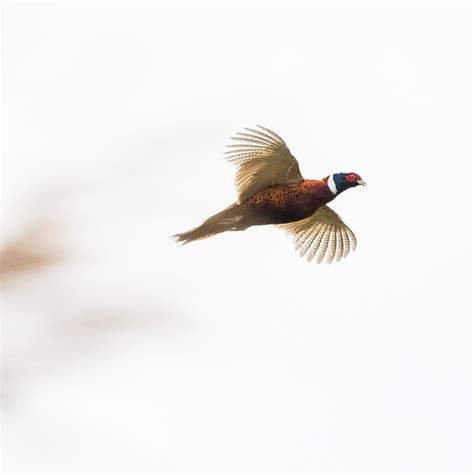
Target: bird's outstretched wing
column 322, row 234
column 263, row 160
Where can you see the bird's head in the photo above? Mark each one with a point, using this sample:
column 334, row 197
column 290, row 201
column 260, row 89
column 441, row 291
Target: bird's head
column 339, row 182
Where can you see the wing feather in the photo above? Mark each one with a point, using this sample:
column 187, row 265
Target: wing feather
column 253, row 138
column 352, row 238
column 265, row 136
column 262, row 160
column 321, row 251
column 331, row 244
column 273, row 134
column 323, row 234
column 313, row 242
column 303, row 236
column 346, row 244
column 339, row 244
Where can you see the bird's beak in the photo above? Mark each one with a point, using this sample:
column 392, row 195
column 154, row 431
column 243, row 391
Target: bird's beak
column 362, row 182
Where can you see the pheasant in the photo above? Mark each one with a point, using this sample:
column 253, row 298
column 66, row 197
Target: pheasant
column 271, row 190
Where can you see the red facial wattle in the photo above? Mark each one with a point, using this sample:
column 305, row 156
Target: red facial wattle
column 352, row 177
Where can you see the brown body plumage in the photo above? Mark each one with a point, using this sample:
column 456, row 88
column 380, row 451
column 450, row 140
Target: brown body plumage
column 278, row 204
column 271, row 190
column 287, row 203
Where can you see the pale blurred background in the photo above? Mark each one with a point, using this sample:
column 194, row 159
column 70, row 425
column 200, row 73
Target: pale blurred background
column 123, row 351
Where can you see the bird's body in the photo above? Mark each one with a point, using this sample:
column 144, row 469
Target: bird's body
column 272, row 191
column 281, row 204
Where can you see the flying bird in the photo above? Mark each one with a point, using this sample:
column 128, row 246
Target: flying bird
column 271, row 190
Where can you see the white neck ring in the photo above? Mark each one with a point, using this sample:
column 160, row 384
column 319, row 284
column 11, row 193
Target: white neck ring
column 332, row 185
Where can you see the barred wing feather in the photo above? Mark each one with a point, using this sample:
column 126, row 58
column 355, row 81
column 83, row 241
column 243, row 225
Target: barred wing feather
column 263, row 160
column 322, row 234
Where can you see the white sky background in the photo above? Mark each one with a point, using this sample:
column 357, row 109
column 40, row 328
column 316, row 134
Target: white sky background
column 234, row 354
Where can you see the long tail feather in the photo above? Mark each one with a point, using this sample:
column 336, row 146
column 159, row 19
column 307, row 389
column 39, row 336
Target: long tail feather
column 230, row 219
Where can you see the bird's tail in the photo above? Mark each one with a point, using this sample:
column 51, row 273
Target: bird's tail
column 230, row 219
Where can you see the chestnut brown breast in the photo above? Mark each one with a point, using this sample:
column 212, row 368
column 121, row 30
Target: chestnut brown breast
column 287, row 203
